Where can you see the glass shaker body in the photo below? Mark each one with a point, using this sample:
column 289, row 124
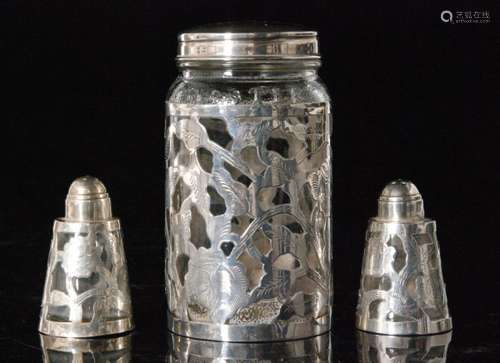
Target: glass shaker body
column 248, row 193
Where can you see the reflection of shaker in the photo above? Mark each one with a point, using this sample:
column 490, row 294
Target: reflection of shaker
column 311, row 350
column 86, row 288
column 248, row 191
column 79, row 350
column 375, row 348
column 402, row 289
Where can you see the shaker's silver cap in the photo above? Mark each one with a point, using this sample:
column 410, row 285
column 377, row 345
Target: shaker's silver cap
column 87, row 200
column 400, row 200
column 250, row 43
column 86, row 291
column 402, row 291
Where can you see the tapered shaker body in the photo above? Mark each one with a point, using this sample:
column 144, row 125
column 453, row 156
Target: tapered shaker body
column 402, row 291
column 86, row 290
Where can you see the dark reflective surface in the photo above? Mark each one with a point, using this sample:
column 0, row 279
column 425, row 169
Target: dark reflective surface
column 375, row 348
column 313, row 350
column 475, row 338
column 115, row 349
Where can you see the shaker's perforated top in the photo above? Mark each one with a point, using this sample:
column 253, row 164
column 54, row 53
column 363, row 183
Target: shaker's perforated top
column 400, row 190
column 87, row 187
column 400, row 200
column 87, row 201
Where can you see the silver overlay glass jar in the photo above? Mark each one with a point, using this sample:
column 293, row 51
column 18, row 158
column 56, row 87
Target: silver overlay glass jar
column 248, row 186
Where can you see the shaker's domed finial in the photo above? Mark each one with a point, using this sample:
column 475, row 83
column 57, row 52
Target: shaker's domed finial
column 87, row 200
column 87, row 187
column 400, row 189
column 400, row 199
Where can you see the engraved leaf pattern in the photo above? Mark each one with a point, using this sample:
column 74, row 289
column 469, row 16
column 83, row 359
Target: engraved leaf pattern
column 80, row 258
column 217, row 283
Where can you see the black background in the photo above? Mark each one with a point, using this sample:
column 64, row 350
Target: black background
column 413, row 97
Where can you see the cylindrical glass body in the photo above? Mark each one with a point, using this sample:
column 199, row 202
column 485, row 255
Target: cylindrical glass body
column 248, row 199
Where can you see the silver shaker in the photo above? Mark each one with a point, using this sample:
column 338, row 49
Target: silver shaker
column 402, row 291
column 86, row 290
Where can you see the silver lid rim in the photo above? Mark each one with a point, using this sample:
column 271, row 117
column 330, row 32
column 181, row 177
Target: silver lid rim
column 198, row 37
column 250, row 48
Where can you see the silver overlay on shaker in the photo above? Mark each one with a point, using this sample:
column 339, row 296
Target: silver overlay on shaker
column 86, row 288
column 402, row 288
column 248, row 221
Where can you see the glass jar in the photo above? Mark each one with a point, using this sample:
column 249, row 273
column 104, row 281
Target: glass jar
column 248, row 186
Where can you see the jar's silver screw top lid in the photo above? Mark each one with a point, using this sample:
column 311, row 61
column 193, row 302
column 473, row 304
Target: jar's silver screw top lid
column 248, row 43
column 87, row 201
column 400, row 200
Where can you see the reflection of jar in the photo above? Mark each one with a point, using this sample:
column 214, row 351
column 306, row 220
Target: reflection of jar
column 312, row 350
column 248, row 191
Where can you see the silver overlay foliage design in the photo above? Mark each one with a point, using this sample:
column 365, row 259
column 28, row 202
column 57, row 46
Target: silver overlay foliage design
column 86, row 288
column 248, row 214
column 398, row 291
column 402, row 288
